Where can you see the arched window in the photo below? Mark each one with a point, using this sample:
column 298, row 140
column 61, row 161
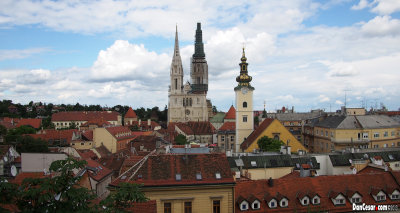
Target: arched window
column 176, row 83
column 276, row 137
column 245, row 104
column 190, row 102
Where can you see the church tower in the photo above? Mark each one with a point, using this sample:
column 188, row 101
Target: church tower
column 176, row 69
column 199, row 67
column 244, row 104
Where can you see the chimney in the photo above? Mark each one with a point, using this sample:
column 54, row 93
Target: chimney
column 148, row 122
column 140, row 121
column 270, row 182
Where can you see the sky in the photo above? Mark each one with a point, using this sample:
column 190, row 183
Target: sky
column 303, row 53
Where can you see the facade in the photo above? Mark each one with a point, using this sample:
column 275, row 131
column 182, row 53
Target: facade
column 66, row 119
column 341, row 132
column 198, row 132
column 244, row 104
column 130, row 117
column 113, row 138
column 188, row 102
column 273, row 129
column 185, row 183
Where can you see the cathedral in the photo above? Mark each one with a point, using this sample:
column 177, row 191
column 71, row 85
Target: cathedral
column 188, row 102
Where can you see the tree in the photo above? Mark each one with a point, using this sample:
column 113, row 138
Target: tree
column 125, row 196
column 14, row 134
column 268, row 144
column 181, row 140
column 59, row 193
column 28, row 144
column 8, row 193
column 3, row 130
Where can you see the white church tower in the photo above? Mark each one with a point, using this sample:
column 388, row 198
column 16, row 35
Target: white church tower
column 244, row 104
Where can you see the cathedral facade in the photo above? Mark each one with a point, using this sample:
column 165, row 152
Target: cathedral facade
column 188, row 101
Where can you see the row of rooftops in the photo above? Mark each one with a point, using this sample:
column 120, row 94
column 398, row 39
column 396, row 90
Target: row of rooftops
column 271, row 161
column 357, row 122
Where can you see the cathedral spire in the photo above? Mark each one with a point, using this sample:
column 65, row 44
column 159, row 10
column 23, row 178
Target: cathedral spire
column 177, row 55
column 243, row 79
column 198, row 45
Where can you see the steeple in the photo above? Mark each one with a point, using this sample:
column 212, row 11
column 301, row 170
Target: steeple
column 176, row 69
column 198, row 45
column 243, row 79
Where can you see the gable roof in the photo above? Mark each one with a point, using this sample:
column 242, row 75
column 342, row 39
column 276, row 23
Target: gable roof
column 100, row 122
column 52, row 134
column 130, row 113
column 161, row 170
column 231, row 114
column 33, row 122
column 254, row 135
column 120, row 132
column 228, row 126
column 323, row 186
column 196, row 127
column 97, row 171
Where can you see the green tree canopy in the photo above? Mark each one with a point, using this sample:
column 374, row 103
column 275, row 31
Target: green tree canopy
column 269, row 144
column 28, row 144
column 124, row 197
column 181, row 140
column 14, row 134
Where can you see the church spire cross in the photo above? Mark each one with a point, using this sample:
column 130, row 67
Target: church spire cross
column 244, row 79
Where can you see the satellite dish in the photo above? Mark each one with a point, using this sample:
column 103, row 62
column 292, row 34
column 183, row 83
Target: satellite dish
column 57, row 196
column 5, row 158
column 13, row 171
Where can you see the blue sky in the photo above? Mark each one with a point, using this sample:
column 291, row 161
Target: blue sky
column 302, row 53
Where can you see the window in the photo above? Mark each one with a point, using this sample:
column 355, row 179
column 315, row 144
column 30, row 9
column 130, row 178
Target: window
column 385, row 145
column 244, row 118
column 218, row 175
column 178, row 176
column 222, row 138
column 255, row 204
column 284, row 203
column 380, row 197
column 167, row 207
column 365, row 135
column 276, row 137
column 82, row 144
column 316, row 132
column 253, row 163
column 188, row 207
column 376, row 146
column 216, row 206
column 340, row 201
column 355, row 200
column 392, row 134
column 232, row 138
column 198, row 176
column 272, row 204
column 385, row 134
column 376, row 135
column 395, row 197
column 305, row 201
column 244, row 206
column 176, row 83
column 245, row 104
column 326, row 133
column 315, row 201
column 332, row 134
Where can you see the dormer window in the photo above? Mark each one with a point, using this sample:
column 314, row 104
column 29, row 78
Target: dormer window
column 178, row 177
column 284, row 202
column 218, row 175
column 272, row 204
column 253, row 163
column 198, row 176
column 255, row 204
column 244, row 205
column 338, row 199
column 381, row 197
column 356, row 198
column 315, row 200
column 305, row 201
column 395, row 195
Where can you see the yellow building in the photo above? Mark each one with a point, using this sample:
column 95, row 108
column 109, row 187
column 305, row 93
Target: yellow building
column 185, row 183
column 273, row 129
column 113, row 138
column 365, row 131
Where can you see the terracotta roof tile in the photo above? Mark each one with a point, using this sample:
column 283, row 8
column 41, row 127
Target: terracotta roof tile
column 256, row 133
column 325, row 187
column 120, row 132
column 52, row 134
column 97, row 171
column 144, row 125
column 21, row 176
column 231, row 114
column 100, row 122
column 197, row 128
column 161, row 170
column 130, row 113
column 33, row 122
column 228, row 126
column 88, row 134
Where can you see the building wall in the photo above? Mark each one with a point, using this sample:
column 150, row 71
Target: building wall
column 276, row 128
column 198, row 111
column 355, row 111
column 82, row 144
column 201, row 198
column 228, row 143
column 102, row 136
column 274, row 173
column 243, row 129
column 67, row 124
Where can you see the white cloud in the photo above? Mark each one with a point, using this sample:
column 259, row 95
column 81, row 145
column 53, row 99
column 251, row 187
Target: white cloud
column 339, row 102
column 323, row 98
column 19, row 54
column 361, row 5
column 342, row 69
column 386, row 6
column 123, row 61
column 382, row 26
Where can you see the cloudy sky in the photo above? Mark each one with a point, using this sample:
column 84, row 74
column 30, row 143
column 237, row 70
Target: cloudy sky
column 302, row 53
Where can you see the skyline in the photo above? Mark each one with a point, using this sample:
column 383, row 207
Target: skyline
column 301, row 53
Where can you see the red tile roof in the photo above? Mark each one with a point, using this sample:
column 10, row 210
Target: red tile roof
column 147, row 142
column 228, row 126
column 129, row 162
column 254, row 135
column 21, row 176
column 85, row 115
column 144, row 125
column 231, row 114
column 97, row 171
column 87, row 154
column 161, row 170
column 88, row 134
column 130, row 113
column 197, row 128
column 120, row 132
column 33, row 122
column 324, row 186
column 52, row 134
column 100, row 122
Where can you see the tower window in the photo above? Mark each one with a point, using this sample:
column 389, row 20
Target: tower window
column 244, row 118
column 176, row 83
column 198, row 80
column 245, row 104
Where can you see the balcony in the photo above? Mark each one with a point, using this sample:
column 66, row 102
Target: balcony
column 349, row 141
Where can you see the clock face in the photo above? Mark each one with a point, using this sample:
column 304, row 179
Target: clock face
column 244, row 90
column 187, row 112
